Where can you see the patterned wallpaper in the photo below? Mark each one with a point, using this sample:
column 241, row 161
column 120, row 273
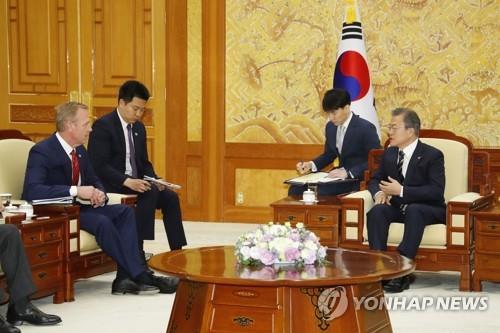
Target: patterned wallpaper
column 439, row 57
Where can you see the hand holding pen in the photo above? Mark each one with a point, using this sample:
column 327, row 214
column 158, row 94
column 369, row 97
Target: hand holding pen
column 303, row 167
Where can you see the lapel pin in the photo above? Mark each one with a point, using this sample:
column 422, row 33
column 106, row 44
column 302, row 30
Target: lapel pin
column 419, row 157
column 135, row 133
column 79, row 156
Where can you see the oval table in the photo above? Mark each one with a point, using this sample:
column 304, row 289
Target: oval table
column 218, row 295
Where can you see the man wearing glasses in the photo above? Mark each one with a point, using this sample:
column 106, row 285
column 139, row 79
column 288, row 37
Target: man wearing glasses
column 407, row 188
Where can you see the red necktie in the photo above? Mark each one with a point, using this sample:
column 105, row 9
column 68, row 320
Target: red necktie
column 76, row 168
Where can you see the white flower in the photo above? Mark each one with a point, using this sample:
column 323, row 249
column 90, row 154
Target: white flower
column 288, row 224
column 245, row 252
column 299, row 225
column 309, row 244
column 255, row 253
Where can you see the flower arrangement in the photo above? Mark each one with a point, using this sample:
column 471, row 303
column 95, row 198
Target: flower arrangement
column 274, row 243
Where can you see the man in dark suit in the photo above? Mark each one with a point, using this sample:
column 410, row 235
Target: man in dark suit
column 119, row 154
column 348, row 137
column 407, row 188
column 19, row 283
column 58, row 167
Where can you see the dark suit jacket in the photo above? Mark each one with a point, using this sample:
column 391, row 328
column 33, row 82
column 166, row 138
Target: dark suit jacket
column 361, row 137
column 48, row 172
column 425, row 178
column 107, row 152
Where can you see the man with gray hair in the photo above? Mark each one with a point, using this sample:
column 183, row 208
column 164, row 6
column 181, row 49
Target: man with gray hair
column 408, row 188
column 59, row 166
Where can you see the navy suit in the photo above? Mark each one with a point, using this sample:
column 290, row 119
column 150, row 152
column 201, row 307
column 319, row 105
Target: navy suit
column 15, row 265
column 107, row 152
column 48, row 175
column 423, row 195
column 360, row 137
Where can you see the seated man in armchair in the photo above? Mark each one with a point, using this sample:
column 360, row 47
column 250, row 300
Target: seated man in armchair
column 407, row 188
column 59, row 166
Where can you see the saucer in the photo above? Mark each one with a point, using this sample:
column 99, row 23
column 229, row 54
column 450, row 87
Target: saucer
column 314, row 201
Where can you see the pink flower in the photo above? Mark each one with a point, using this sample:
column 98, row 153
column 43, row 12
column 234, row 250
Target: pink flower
column 267, row 257
column 291, row 254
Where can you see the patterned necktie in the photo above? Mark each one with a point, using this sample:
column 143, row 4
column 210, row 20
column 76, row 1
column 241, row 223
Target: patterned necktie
column 340, row 137
column 132, row 151
column 401, row 159
column 75, row 165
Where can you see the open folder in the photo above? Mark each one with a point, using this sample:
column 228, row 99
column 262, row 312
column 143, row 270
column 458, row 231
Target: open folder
column 315, row 178
column 162, row 182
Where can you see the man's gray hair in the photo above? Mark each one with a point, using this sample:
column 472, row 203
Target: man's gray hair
column 410, row 118
column 66, row 112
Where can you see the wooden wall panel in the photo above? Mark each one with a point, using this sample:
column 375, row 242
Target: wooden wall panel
column 27, row 113
column 123, row 44
column 38, row 44
column 243, row 160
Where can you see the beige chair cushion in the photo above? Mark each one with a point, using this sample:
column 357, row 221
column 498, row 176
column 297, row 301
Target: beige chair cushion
column 14, row 154
column 456, row 157
column 88, row 243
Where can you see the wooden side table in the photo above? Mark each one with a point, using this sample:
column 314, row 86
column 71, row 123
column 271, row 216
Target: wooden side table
column 321, row 217
column 44, row 243
column 487, row 246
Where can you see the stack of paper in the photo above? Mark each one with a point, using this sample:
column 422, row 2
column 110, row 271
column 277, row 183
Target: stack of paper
column 53, row 201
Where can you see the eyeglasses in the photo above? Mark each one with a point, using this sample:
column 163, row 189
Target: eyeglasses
column 393, row 128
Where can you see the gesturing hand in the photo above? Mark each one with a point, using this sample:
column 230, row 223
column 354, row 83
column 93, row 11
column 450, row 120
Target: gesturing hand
column 391, row 187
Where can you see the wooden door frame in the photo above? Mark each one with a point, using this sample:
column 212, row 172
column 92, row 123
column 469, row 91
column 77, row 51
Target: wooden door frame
column 212, row 145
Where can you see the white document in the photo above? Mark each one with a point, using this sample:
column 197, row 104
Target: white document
column 313, row 178
column 162, row 182
column 52, row 201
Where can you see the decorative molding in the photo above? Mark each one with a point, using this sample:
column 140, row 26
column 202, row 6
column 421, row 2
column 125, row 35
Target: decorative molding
column 29, row 113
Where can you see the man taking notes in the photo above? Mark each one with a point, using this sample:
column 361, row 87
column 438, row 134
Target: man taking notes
column 348, row 137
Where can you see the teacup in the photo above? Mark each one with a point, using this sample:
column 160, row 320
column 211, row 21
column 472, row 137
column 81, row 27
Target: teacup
column 309, row 196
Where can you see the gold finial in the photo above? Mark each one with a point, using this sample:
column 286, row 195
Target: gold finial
column 351, row 11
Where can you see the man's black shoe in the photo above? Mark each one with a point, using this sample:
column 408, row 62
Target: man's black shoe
column 166, row 284
column 397, row 285
column 127, row 286
column 6, row 327
column 32, row 315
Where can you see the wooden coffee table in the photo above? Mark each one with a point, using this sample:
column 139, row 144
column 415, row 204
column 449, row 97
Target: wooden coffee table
column 217, row 295
column 321, row 217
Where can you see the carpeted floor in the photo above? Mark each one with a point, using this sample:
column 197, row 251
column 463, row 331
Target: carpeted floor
column 95, row 310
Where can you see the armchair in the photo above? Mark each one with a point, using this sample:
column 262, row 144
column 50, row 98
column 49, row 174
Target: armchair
column 444, row 246
column 84, row 258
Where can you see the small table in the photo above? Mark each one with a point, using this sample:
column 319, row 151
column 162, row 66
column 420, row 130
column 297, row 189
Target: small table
column 487, row 246
column 321, row 217
column 217, row 295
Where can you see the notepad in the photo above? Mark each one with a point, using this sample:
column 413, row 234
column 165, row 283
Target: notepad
column 315, row 178
column 162, row 182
